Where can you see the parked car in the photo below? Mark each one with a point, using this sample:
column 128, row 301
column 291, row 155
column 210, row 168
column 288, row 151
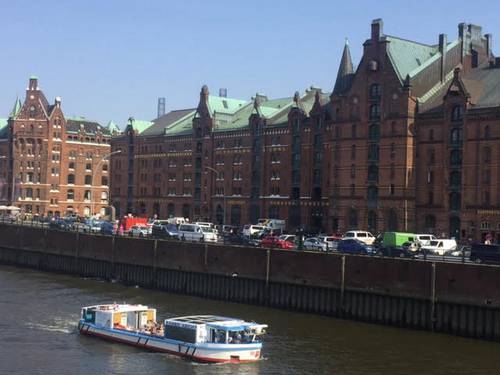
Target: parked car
column 138, row 231
column 194, row 232
column 288, row 237
column 59, row 224
column 249, row 230
column 94, row 226
column 330, row 241
column 440, row 246
column 460, row 251
column 162, row 229
column 314, row 243
column 276, row 242
column 354, row 246
column 236, row 239
column 78, row 226
column 108, row 228
column 362, row 236
column 482, row 253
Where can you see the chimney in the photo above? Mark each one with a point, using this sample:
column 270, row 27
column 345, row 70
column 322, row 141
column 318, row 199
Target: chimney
column 442, row 50
column 223, row 93
column 58, row 101
column 33, row 83
column 161, row 107
column 462, row 34
column 489, row 43
column 377, row 29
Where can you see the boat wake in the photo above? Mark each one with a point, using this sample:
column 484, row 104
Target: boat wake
column 69, row 328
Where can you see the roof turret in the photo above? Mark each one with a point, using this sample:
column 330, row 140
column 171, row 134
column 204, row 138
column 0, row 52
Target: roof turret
column 345, row 73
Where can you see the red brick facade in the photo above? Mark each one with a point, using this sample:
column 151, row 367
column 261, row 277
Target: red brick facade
column 56, row 164
column 386, row 150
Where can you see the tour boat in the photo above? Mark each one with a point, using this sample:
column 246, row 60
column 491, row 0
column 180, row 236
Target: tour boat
column 202, row 338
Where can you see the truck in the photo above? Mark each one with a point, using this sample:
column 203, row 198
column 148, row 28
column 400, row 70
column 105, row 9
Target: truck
column 392, row 244
column 276, row 225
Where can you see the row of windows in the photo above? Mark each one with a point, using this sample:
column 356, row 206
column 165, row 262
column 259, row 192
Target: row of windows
column 88, row 180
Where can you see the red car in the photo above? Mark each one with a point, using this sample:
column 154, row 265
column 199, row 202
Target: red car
column 275, row 242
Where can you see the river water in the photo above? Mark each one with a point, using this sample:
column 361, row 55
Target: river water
column 39, row 312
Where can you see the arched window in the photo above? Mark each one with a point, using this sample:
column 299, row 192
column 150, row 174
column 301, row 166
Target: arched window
column 373, row 173
column 372, row 221
column 88, row 180
column 104, row 197
column 219, row 214
column 372, row 193
column 353, row 190
column 70, row 194
column 274, row 212
column 374, row 132
column 353, row 152
column 171, row 210
column 86, row 195
column 430, row 223
column 432, row 156
column 29, row 193
column 104, row 181
column 455, row 157
column 352, row 219
column 375, row 91
column 373, row 152
column 142, row 208
column 156, row 209
column 455, row 201
column 353, row 131
column 457, row 113
column 455, row 179
column 236, row 215
column 431, row 134
column 392, row 220
column 186, row 211
column 455, row 135
column 393, row 151
column 487, row 155
column 374, row 112
column 71, row 179
column 487, row 134
column 353, row 170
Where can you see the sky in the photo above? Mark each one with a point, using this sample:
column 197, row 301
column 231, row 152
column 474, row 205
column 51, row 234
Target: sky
column 110, row 60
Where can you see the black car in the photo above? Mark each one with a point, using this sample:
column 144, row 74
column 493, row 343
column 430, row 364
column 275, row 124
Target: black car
column 481, row 253
column 235, row 239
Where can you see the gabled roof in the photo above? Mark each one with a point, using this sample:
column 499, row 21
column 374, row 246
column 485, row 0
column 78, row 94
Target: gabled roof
column 139, row 125
column 407, row 55
column 171, row 122
column 222, row 104
column 483, row 86
column 112, row 127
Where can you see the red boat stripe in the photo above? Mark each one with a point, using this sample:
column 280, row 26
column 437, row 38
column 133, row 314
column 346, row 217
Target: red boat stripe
column 197, row 358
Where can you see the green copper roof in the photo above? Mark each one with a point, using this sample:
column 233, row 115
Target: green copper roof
column 182, row 125
column 112, row 127
column 139, row 125
column 3, row 122
column 407, row 56
column 17, row 108
column 33, row 77
column 3, row 127
column 224, row 105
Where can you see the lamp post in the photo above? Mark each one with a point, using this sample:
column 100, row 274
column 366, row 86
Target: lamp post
column 93, row 179
column 224, row 196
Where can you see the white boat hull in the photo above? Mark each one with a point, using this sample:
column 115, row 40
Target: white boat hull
column 216, row 353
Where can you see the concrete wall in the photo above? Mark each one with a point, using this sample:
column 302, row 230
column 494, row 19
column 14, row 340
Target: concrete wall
column 456, row 298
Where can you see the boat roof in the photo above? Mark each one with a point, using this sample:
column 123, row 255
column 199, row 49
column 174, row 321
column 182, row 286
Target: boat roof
column 214, row 321
column 115, row 307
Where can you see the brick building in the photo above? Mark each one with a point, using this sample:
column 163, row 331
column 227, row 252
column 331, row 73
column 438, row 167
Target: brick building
column 50, row 164
column 406, row 141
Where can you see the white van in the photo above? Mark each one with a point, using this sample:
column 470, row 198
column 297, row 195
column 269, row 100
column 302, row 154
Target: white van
column 177, row 220
column 359, row 235
column 249, row 230
column 194, row 232
column 439, row 247
column 425, row 239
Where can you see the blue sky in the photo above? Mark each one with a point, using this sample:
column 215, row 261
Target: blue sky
column 112, row 59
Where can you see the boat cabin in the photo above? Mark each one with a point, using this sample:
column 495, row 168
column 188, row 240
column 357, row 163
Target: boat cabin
column 212, row 329
column 120, row 316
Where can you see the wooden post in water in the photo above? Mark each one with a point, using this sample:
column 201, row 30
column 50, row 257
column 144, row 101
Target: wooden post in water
column 433, row 295
column 342, row 284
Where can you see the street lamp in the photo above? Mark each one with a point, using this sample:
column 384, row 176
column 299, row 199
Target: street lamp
column 93, row 179
column 224, row 196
